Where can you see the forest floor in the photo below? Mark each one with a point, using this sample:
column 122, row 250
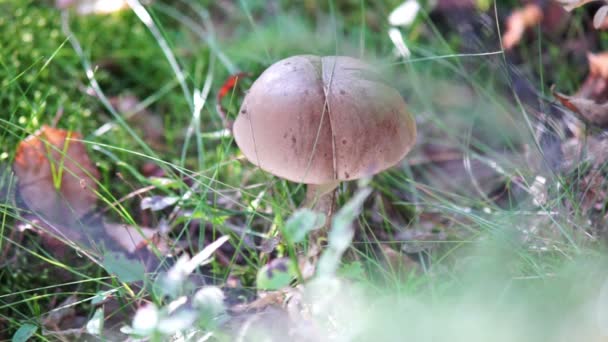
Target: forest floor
column 129, row 212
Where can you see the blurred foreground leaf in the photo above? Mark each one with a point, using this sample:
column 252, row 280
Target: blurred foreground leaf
column 24, row 332
column 276, row 274
column 301, row 223
column 125, row 269
column 341, row 233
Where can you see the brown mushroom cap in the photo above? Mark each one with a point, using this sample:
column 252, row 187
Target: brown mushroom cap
column 314, row 120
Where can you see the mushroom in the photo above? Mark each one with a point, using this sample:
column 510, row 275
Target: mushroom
column 323, row 120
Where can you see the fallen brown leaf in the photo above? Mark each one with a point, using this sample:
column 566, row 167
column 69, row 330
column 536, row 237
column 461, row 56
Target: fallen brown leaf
column 51, row 236
column 57, row 180
column 130, row 238
column 595, row 86
column 588, row 110
column 518, row 22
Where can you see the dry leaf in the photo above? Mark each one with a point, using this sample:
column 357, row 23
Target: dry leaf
column 57, row 180
column 64, row 311
column 588, row 110
column 518, row 22
column 590, row 102
column 157, row 202
column 569, row 5
column 51, row 242
column 595, row 86
column 598, row 64
column 130, row 238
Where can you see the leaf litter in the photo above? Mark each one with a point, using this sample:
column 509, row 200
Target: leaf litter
column 57, row 179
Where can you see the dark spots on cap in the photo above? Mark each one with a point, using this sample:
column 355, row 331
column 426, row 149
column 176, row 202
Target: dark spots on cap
column 325, row 155
column 346, row 175
column 277, row 265
column 342, row 92
column 281, row 266
column 285, row 136
column 344, row 141
column 287, row 63
column 293, row 139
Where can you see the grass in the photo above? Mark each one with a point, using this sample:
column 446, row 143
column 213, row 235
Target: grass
column 480, row 265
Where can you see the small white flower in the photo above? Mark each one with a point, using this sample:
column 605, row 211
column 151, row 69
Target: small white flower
column 399, row 43
column 404, row 14
column 210, row 299
column 146, row 319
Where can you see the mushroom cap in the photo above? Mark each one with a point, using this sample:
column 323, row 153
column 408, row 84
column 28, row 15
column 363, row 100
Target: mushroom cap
column 314, row 120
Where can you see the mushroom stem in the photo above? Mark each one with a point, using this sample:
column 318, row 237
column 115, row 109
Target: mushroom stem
column 321, row 198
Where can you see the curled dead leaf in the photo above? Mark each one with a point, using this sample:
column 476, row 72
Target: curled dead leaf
column 57, row 180
column 518, row 22
column 587, row 110
column 595, row 86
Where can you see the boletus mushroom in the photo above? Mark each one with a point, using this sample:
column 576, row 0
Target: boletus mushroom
column 323, row 120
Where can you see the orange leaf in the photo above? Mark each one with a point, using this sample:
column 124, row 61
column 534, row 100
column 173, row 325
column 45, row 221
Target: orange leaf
column 57, row 180
column 518, row 22
column 598, row 64
column 229, row 83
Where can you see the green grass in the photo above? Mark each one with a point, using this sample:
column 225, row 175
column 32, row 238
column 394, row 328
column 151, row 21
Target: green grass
column 485, row 270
